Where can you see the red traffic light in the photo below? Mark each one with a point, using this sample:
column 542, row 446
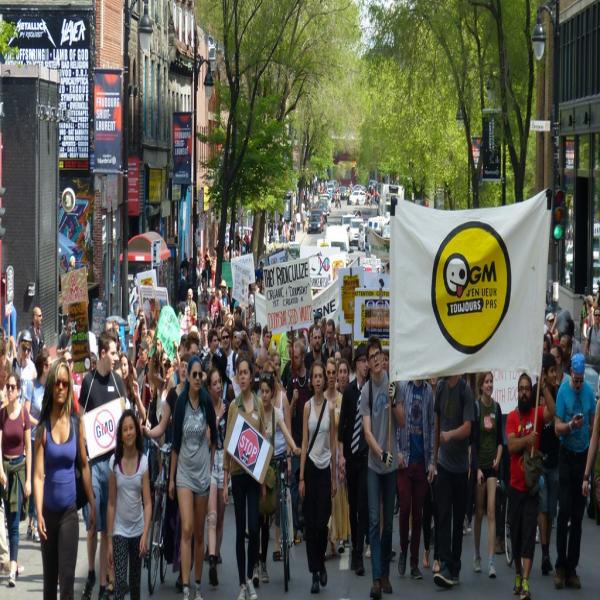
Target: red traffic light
column 559, row 198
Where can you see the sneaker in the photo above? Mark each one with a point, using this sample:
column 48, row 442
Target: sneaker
column 573, row 582
column 250, row 591
column 213, row 578
column 559, row 578
column 89, row 586
column 443, row 578
column 264, row 575
column 243, row 595
column 402, row 564
column 256, row 576
column 12, row 579
column 376, row 590
column 198, row 594
column 35, row 536
column 492, row 571
column 386, row 586
column 477, row 564
column 546, row 565
column 525, row 593
column 455, row 580
column 314, row 588
column 186, row 592
column 415, row 573
column 518, row 585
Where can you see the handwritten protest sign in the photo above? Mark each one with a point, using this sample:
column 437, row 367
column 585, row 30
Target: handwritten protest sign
column 100, row 427
column 242, row 272
column 371, row 316
column 152, row 300
column 168, row 331
column 80, row 347
column 249, row 449
column 146, row 278
column 288, row 295
column 73, row 285
column 350, row 281
column 326, row 302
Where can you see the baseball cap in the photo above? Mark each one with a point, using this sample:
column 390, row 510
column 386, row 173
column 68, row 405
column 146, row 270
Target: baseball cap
column 25, row 336
column 578, row 364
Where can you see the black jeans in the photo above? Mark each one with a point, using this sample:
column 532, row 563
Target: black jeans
column 317, row 510
column 126, row 557
column 59, row 553
column 358, row 501
column 451, row 496
column 571, row 506
column 246, row 492
column 429, row 515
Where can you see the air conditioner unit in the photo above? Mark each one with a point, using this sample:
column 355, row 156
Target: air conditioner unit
column 212, row 53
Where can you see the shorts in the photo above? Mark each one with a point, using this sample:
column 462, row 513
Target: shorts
column 216, row 476
column 489, row 472
column 549, row 493
column 100, row 471
column 522, row 516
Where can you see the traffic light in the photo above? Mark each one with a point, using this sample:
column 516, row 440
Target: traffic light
column 559, row 215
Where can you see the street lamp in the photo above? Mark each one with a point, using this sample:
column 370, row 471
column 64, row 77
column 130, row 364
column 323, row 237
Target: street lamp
column 145, row 29
column 538, row 42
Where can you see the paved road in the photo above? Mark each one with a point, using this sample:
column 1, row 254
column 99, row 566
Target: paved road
column 342, row 582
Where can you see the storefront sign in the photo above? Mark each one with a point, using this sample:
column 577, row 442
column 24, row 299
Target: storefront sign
column 60, row 40
column 182, row 148
column 133, row 186
column 108, row 123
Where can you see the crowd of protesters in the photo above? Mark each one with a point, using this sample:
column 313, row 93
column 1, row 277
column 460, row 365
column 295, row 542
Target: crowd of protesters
column 357, row 447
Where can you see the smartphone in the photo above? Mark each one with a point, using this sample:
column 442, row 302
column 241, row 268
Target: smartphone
column 579, row 416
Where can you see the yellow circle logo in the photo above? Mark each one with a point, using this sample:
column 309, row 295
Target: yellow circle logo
column 470, row 287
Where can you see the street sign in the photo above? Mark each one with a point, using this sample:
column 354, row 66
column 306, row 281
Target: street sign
column 155, row 253
column 539, row 126
column 10, row 284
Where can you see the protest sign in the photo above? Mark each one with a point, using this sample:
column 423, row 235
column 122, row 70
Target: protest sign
column 326, row 303
column 73, row 287
column 371, row 316
column 146, row 278
column 100, row 427
column 349, row 282
column 288, row 295
column 242, row 273
column 470, row 284
column 80, row 348
column 249, row 449
column 505, row 389
column 152, row 300
column 168, row 331
column 371, row 280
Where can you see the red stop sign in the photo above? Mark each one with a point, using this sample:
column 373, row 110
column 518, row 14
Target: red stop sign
column 248, row 447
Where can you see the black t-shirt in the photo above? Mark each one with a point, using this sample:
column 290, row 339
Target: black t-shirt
column 97, row 390
column 302, row 385
column 549, row 441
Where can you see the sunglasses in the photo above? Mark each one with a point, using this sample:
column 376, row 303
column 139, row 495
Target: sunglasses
column 11, row 387
column 597, row 314
column 266, row 377
column 196, row 374
column 26, row 349
column 61, row 383
column 224, row 337
column 330, row 372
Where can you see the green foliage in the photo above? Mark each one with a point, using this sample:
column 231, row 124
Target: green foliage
column 8, row 31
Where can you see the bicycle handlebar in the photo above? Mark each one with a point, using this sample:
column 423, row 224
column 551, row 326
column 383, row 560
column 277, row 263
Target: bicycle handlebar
column 164, row 449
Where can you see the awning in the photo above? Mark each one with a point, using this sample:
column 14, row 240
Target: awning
column 139, row 248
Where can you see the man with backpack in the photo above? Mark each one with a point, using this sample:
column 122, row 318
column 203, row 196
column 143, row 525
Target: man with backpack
column 454, row 408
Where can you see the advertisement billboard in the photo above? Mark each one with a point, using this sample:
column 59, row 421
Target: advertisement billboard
column 108, row 121
column 182, row 148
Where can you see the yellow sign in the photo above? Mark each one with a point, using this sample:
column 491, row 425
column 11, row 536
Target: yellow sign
column 470, row 291
column 155, row 186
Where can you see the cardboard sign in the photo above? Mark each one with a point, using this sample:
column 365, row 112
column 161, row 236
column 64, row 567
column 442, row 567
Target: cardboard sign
column 350, row 281
column 288, row 295
column 242, row 272
column 73, row 287
column 249, row 449
column 152, row 300
column 80, row 346
column 100, row 427
column 146, row 278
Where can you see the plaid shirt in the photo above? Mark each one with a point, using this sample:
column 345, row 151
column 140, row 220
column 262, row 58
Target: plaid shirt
column 405, row 395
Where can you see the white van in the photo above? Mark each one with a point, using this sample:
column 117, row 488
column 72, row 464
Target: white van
column 337, row 236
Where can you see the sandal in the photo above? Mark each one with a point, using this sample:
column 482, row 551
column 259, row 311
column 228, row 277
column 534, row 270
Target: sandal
column 277, row 556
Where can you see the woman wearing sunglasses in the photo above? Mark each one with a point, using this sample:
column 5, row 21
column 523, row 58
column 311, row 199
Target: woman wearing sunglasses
column 194, row 436
column 15, row 469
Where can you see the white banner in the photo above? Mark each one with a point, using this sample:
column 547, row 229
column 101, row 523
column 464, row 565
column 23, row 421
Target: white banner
column 326, row 303
column 242, row 273
column 288, row 295
column 468, row 289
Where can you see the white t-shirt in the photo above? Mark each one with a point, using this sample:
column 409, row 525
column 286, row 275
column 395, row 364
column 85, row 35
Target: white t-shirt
column 129, row 513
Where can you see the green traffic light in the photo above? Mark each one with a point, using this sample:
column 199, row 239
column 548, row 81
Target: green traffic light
column 558, row 232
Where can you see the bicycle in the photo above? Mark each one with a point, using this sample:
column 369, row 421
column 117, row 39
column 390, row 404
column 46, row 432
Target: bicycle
column 155, row 559
column 285, row 518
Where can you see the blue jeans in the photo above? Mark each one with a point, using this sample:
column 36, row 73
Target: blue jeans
column 14, row 518
column 382, row 491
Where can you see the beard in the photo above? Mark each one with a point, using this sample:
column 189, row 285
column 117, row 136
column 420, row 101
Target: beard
column 524, row 405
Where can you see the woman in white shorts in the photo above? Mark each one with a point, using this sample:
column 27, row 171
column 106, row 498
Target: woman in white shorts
column 216, row 505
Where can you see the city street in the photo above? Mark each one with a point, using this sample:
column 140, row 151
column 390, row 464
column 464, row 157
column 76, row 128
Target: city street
column 342, row 582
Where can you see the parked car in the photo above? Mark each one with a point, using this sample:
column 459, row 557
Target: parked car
column 354, row 233
column 315, row 222
column 358, row 197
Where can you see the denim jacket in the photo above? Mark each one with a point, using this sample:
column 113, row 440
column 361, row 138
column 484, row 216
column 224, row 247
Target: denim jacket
column 405, row 396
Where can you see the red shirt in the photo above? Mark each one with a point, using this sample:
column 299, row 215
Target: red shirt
column 522, row 425
column 13, row 432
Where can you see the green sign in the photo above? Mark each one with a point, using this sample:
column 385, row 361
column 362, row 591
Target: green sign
column 226, row 274
column 168, row 331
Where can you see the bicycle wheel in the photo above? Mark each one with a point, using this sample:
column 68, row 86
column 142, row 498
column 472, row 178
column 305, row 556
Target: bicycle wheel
column 154, row 550
column 163, row 560
column 507, row 538
column 285, row 544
